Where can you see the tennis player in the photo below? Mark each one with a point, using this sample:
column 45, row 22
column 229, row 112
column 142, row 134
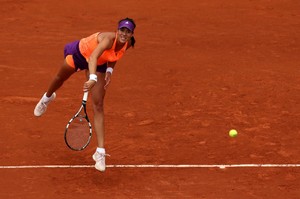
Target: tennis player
column 97, row 54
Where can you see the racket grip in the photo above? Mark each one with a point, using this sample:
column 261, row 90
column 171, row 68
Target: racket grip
column 85, row 96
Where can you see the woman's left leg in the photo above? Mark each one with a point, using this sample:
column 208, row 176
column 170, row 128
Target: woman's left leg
column 98, row 93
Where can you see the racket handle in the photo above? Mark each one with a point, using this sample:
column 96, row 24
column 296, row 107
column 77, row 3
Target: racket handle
column 85, row 96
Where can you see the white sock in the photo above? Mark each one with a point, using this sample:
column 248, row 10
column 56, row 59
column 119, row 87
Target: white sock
column 100, row 150
column 45, row 98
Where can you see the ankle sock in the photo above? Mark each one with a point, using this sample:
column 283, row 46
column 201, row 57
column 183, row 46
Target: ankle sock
column 46, row 99
column 100, row 150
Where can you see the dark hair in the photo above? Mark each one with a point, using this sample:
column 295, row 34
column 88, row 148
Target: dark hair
column 132, row 21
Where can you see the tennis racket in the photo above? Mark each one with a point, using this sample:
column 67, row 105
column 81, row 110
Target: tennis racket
column 78, row 132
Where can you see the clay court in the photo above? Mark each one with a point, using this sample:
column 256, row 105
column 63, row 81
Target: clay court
column 199, row 69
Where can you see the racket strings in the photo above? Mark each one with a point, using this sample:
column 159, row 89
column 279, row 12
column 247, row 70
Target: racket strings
column 78, row 133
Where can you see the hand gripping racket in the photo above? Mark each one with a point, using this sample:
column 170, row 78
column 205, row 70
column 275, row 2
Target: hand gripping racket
column 78, row 131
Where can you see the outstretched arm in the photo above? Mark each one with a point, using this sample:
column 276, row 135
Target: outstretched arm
column 104, row 44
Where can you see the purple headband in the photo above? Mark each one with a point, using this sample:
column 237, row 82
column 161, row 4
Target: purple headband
column 126, row 24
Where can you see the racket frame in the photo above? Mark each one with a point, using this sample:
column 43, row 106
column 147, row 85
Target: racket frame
column 83, row 106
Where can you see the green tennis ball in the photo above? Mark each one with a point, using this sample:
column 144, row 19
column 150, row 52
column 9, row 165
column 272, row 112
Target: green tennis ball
column 233, row 133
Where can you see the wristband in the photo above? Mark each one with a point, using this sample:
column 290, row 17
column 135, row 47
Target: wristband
column 93, row 77
column 110, row 69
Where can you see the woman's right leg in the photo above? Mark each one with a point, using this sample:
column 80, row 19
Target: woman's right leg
column 63, row 74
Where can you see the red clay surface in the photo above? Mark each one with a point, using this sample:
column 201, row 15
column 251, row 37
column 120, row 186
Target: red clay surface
column 199, row 69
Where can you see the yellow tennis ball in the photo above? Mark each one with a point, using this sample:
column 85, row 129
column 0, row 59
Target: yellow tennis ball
column 233, row 133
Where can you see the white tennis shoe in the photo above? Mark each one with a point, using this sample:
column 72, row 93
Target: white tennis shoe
column 100, row 161
column 41, row 107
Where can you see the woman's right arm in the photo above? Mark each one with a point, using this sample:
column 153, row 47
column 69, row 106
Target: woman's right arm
column 104, row 44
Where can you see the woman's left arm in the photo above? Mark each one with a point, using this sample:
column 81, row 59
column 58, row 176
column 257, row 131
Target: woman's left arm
column 109, row 71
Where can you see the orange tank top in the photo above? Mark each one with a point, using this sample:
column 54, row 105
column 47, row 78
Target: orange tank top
column 88, row 44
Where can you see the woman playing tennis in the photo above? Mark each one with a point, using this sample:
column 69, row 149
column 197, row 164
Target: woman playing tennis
column 97, row 54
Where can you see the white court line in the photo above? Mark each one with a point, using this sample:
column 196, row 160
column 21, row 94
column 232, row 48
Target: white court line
column 221, row 166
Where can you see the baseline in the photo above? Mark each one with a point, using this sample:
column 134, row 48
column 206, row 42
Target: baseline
column 221, row 166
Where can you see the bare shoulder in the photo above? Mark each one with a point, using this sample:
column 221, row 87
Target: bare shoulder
column 106, row 36
column 106, row 39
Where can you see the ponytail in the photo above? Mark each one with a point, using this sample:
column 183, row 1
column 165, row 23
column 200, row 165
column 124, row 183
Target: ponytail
column 132, row 41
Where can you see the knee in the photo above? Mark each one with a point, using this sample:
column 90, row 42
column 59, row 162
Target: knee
column 99, row 108
column 59, row 78
column 64, row 73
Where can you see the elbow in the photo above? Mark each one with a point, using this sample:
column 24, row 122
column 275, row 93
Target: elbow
column 92, row 59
